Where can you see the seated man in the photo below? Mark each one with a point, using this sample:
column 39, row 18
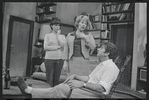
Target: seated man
column 100, row 79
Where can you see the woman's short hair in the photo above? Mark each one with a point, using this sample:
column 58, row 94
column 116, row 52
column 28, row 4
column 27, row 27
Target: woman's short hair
column 86, row 18
column 55, row 21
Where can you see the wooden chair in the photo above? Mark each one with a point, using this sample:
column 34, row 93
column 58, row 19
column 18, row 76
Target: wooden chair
column 124, row 65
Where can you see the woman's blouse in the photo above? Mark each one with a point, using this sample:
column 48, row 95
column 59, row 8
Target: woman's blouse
column 52, row 42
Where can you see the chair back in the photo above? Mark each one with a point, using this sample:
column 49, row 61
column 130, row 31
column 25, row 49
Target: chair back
column 124, row 65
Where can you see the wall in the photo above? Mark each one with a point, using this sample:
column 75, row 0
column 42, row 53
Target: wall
column 24, row 10
column 140, row 39
column 90, row 8
column 67, row 11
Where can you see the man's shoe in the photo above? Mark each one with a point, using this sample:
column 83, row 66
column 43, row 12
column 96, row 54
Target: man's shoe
column 22, row 85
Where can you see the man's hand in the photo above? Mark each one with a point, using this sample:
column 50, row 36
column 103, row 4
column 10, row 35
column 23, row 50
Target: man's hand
column 75, row 84
column 69, row 78
column 58, row 47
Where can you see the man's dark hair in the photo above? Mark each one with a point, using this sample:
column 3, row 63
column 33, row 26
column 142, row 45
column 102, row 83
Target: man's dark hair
column 111, row 49
column 55, row 21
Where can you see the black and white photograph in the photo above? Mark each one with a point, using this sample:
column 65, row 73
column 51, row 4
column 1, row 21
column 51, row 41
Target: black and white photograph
column 95, row 50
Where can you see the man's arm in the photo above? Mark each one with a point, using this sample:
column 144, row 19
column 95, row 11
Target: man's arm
column 81, row 78
column 79, row 84
column 95, row 87
column 77, row 77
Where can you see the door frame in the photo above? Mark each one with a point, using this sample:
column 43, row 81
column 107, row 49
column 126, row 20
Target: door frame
column 112, row 40
column 9, row 40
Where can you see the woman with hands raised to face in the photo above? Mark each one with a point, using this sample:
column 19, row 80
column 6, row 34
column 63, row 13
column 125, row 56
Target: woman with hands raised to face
column 53, row 46
column 77, row 47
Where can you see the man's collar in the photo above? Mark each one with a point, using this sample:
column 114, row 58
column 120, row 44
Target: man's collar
column 107, row 62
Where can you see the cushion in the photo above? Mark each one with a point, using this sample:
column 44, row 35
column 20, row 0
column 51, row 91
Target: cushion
column 42, row 67
column 39, row 75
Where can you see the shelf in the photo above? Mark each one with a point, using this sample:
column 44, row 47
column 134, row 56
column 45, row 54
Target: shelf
column 119, row 21
column 117, row 12
column 48, row 4
column 93, row 30
column 38, row 46
column 101, row 38
column 110, row 4
column 104, row 38
column 41, row 41
column 95, row 21
column 97, row 30
column 44, row 21
column 67, row 25
column 49, row 12
column 141, row 80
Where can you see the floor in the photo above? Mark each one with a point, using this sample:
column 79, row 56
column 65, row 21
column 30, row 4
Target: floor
column 121, row 90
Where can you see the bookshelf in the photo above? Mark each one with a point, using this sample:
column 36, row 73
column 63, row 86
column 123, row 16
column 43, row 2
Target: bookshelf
column 117, row 12
column 45, row 11
column 112, row 12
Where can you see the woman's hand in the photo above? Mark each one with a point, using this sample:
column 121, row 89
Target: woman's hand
column 65, row 66
column 75, row 84
column 69, row 78
column 83, row 36
column 58, row 32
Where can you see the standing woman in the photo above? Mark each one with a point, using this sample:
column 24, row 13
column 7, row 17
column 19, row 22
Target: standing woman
column 53, row 46
column 77, row 47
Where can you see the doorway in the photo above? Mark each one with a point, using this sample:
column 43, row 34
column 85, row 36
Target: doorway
column 19, row 46
column 122, row 37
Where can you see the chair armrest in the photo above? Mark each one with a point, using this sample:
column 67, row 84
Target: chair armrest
column 100, row 94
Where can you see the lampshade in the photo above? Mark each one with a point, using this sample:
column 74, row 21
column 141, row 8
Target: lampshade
column 44, row 29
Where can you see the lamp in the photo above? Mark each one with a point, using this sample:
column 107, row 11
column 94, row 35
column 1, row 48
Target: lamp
column 45, row 29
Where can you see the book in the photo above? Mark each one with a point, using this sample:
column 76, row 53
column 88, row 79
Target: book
column 126, row 6
column 103, row 26
column 131, row 6
column 108, row 9
column 104, row 34
column 122, row 6
column 103, row 9
column 128, row 16
column 122, row 16
column 118, row 7
column 115, row 16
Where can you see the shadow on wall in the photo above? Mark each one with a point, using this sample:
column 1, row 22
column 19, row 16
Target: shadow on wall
column 141, row 46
